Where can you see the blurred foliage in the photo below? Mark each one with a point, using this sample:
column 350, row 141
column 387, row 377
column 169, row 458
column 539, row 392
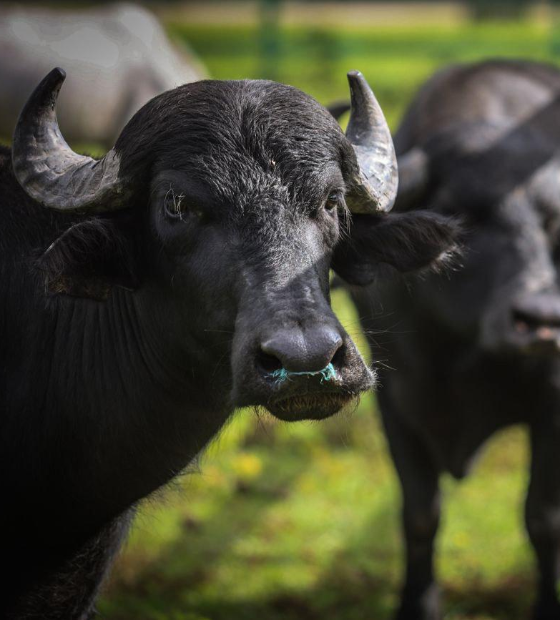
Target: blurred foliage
column 395, row 60
column 300, row 521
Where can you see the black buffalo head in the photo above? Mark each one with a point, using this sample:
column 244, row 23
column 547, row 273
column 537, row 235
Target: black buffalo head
column 220, row 208
column 486, row 149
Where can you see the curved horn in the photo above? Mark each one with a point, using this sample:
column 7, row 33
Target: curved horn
column 47, row 168
column 375, row 187
column 413, row 177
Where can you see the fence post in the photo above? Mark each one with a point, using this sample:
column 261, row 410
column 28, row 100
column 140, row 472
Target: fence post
column 555, row 28
column 269, row 38
column 498, row 9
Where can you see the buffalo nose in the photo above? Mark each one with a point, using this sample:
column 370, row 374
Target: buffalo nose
column 538, row 309
column 299, row 350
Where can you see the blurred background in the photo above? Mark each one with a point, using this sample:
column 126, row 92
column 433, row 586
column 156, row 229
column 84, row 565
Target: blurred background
column 301, row 521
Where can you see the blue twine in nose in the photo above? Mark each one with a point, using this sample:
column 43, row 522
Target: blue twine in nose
column 328, row 373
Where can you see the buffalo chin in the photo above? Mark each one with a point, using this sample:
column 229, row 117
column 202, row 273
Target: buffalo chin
column 309, row 406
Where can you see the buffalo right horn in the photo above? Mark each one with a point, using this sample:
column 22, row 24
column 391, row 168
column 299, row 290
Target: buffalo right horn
column 49, row 170
column 374, row 188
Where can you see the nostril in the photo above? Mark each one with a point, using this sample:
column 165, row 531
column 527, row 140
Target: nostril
column 533, row 319
column 268, row 363
column 338, row 357
column 523, row 321
column 537, row 310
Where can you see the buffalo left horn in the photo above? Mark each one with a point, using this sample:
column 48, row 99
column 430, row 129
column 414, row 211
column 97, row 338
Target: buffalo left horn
column 374, row 188
column 49, row 170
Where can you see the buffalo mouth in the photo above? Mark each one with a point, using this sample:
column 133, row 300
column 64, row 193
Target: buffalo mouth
column 311, row 406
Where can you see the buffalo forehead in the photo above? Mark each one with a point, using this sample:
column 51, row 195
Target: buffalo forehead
column 239, row 131
column 250, row 141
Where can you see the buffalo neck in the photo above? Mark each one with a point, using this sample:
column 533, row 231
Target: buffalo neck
column 123, row 399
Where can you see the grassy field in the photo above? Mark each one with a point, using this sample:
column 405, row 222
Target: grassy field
column 285, row 522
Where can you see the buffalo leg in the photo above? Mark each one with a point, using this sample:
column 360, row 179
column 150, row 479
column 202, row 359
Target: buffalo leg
column 542, row 514
column 421, row 508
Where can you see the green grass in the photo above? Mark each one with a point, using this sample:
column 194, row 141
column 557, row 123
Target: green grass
column 286, row 522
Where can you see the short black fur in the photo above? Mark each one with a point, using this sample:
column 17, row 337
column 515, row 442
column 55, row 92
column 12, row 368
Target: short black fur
column 128, row 339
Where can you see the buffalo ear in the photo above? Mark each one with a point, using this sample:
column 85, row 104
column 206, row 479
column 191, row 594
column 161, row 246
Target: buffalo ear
column 90, row 258
column 405, row 241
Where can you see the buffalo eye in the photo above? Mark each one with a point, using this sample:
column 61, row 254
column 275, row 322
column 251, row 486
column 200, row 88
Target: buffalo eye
column 334, row 200
column 177, row 205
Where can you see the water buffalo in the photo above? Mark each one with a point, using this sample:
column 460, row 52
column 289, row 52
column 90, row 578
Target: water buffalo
column 479, row 349
column 146, row 295
column 118, row 55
